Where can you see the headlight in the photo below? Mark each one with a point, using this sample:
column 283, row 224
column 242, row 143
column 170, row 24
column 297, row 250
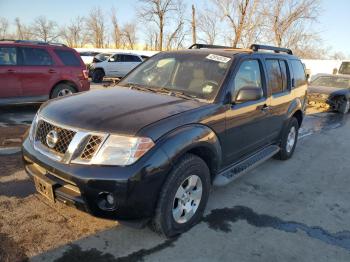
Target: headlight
column 33, row 128
column 122, row 150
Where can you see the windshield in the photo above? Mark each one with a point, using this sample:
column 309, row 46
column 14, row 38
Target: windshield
column 345, row 68
column 332, row 81
column 196, row 75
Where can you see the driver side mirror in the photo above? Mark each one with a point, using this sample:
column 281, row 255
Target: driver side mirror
column 248, row 93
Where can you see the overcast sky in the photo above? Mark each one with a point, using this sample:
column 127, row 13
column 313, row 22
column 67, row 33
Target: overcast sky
column 333, row 22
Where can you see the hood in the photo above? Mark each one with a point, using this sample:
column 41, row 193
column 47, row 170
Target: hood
column 115, row 110
column 324, row 90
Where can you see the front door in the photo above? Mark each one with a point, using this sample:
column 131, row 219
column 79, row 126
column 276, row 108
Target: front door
column 247, row 126
column 10, row 84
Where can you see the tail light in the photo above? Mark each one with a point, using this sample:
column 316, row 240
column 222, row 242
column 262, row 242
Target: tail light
column 86, row 74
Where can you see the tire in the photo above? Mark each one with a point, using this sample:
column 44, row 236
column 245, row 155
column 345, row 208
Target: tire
column 344, row 106
column 62, row 90
column 97, row 76
column 287, row 144
column 189, row 168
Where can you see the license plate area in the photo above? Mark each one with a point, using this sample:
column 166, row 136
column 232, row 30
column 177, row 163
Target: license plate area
column 45, row 187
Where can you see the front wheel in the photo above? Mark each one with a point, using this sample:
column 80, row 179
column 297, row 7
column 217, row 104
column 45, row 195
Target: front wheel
column 289, row 140
column 183, row 197
column 97, row 76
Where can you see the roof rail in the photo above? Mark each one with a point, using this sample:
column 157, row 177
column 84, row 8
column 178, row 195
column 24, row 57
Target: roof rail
column 256, row 48
column 200, row 46
column 33, row 42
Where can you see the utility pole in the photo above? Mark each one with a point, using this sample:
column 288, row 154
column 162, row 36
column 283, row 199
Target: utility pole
column 194, row 38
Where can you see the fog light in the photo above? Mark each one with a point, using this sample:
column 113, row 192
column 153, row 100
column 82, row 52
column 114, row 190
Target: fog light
column 110, row 199
column 107, row 201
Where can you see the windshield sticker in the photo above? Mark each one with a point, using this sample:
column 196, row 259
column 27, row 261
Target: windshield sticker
column 218, row 58
column 207, row 89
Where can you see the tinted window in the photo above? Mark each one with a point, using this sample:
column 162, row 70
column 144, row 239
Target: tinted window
column 248, row 74
column 68, row 57
column 36, row 57
column 299, row 73
column 129, row 58
column 285, row 74
column 8, row 56
column 274, row 75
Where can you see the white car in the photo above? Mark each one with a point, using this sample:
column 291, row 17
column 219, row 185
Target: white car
column 116, row 66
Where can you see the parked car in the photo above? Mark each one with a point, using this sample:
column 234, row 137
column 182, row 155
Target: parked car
column 37, row 71
column 181, row 122
column 88, row 56
column 333, row 90
column 116, row 66
column 344, row 68
column 97, row 59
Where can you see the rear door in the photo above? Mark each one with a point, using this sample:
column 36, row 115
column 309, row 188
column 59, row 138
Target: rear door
column 247, row 127
column 38, row 72
column 10, row 84
column 279, row 82
column 129, row 63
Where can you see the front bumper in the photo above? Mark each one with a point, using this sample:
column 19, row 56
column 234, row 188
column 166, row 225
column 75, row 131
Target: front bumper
column 134, row 187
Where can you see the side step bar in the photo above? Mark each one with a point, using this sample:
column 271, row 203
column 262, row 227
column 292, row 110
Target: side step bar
column 233, row 172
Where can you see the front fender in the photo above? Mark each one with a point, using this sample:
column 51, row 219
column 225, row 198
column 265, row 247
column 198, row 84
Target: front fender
column 191, row 137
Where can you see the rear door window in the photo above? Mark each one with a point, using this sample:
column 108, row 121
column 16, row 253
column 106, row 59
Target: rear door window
column 274, row 76
column 68, row 57
column 36, row 57
column 285, row 74
column 8, row 56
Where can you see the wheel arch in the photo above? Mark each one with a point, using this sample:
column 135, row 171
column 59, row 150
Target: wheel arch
column 195, row 139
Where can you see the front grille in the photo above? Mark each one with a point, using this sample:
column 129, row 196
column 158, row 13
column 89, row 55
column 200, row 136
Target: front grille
column 91, row 147
column 65, row 136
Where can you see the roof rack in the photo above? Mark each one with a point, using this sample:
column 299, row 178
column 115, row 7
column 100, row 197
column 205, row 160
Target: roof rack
column 33, row 42
column 200, row 46
column 256, row 48
column 253, row 48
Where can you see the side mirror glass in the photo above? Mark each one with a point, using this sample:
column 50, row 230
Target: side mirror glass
column 248, row 93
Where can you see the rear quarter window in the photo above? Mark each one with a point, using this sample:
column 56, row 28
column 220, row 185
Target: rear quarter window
column 68, row 57
column 298, row 73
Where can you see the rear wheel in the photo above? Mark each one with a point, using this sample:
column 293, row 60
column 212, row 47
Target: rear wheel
column 289, row 140
column 97, row 76
column 62, row 90
column 183, row 197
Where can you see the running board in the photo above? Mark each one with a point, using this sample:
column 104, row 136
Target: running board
column 233, row 172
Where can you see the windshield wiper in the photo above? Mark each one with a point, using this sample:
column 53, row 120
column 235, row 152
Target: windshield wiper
column 139, row 87
column 176, row 93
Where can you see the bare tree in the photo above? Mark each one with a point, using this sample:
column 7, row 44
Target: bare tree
column 129, row 35
column 151, row 39
column 4, row 26
column 194, row 26
column 158, row 12
column 240, row 15
column 116, row 33
column 23, row 32
column 44, row 29
column 74, row 34
column 96, row 27
column 286, row 16
column 207, row 26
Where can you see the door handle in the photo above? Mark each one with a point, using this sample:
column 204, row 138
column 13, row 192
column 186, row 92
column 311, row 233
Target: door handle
column 51, row 71
column 264, row 108
column 11, row 71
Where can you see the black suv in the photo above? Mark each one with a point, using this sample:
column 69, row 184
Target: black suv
column 150, row 149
